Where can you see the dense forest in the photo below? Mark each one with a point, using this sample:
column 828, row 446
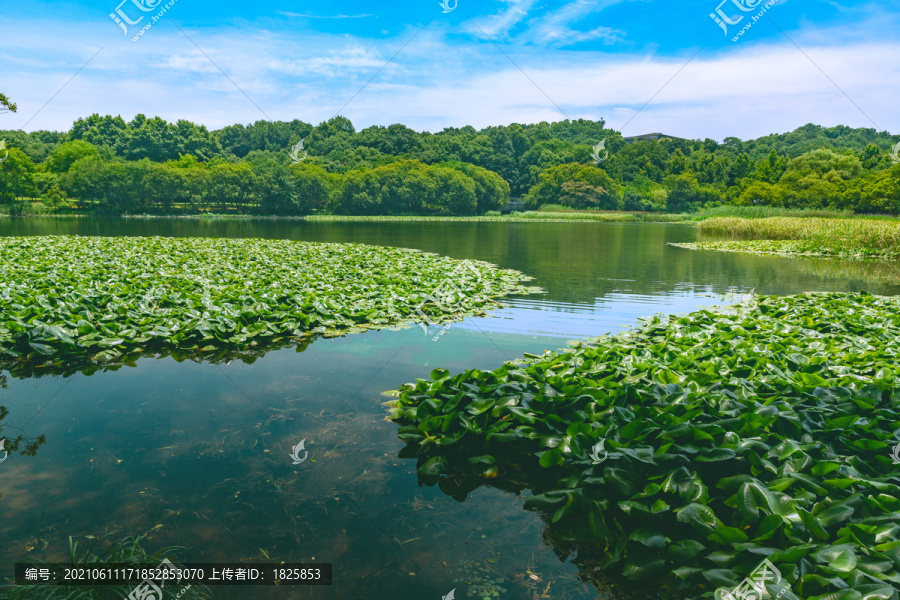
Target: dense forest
column 106, row 165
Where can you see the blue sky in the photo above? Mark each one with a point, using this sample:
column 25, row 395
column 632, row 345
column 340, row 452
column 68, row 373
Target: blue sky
column 642, row 65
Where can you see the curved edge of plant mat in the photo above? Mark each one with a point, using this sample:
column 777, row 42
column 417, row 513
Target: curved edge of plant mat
column 70, row 303
column 690, row 450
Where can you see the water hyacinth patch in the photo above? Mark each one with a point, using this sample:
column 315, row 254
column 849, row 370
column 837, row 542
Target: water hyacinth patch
column 64, row 297
column 690, row 449
column 808, row 248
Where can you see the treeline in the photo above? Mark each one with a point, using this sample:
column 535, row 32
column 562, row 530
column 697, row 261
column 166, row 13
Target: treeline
column 263, row 184
column 108, row 165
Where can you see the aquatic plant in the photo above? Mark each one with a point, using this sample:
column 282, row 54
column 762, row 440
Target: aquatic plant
column 482, row 583
column 851, row 238
column 127, row 551
column 687, row 451
column 73, row 297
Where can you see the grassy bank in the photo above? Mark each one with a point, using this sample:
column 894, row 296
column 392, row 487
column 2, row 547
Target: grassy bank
column 69, row 298
column 682, row 454
column 846, row 238
column 546, row 213
column 540, row 216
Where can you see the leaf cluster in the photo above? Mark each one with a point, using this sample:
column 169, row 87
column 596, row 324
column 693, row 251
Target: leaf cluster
column 692, row 448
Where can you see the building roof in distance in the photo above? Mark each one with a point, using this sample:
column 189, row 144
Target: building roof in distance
column 651, row 137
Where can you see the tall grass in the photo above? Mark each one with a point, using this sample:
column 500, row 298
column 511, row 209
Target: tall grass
column 822, row 236
column 579, row 216
column 762, row 212
column 127, row 551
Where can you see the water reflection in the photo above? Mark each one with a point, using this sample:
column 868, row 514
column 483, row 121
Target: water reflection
column 198, row 454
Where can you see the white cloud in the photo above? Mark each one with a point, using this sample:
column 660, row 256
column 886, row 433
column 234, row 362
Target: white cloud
column 747, row 94
column 500, row 25
column 332, row 65
column 745, row 90
column 555, row 28
column 306, row 16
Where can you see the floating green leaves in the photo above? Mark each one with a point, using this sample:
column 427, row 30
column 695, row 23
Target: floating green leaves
column 728, row 436
column 810, row 248
column 74, row 297
column 482, row 583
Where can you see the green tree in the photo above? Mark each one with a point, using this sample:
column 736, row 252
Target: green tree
column 453, row 192
column 7, row 105
column 54, row 197
column 772, row 168
column 149, row 138
column 540, row 157
column 550, row 190
column 641, row 159
column 230, row 185
column 67, row 153
column 871, row 156
column 360, row 193
column 165, row 186
column 84, row 181
column 678, row 164
column 101, row 131
column 491, row 190
column 684, row 192
column 334, row 126
column 739, row 169
column 16, row 177
column 394, row 139
column 273, row 190
column 195, row 140
column 312, row 187
column 827, row 164
column 761, row 193
column 582, row 195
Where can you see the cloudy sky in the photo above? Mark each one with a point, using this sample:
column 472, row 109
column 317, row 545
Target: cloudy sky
column 642, row 65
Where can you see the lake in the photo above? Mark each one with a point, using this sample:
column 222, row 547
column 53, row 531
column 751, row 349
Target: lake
column 199, row 454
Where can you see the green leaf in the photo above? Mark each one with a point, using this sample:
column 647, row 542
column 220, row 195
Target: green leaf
column 700, row 516
column 551, row 458
column 648, row 538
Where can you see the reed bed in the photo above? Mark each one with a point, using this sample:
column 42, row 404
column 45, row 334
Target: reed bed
column 861, row 238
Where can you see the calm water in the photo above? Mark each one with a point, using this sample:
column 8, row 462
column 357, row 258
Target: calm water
column 198, row 453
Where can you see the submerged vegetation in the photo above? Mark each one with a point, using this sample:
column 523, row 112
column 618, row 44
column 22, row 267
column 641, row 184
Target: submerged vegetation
column 845, row 238
column 100, row 298
column 687, row 451
column 127, row 551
